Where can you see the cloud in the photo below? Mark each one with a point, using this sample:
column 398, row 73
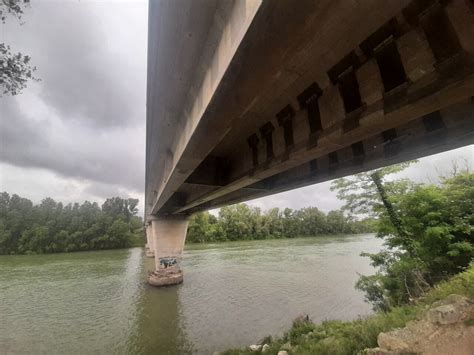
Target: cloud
column 315, row 195
column 92, row 69
column 36, row 184
column 85, row 119
column 70, row 149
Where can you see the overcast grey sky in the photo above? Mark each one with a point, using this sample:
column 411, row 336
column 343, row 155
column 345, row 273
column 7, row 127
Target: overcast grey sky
column 79, row 133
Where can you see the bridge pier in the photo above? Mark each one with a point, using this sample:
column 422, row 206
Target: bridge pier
column 168, row 235
column 149, row 248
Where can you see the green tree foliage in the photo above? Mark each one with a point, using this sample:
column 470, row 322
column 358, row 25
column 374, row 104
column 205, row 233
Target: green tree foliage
column 242, row 222
column 15, row 71
column 362, row 195
column 15, row 68
column 13, row 8
column 117, row 207
column 51, row 227
column 427, row 228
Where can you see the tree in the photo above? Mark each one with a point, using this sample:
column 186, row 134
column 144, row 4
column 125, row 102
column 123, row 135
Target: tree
column 241, row 222
column 51, row 227
column 121, row 208
column 130, row 208
column 198, row 228
column 393, row 215
column 361, row 192
column 311, row 221
column 237, row 221
column 428, row 231
column 15, row 71
column 119, row 235
column 371, row 193
column 337, row 223
column 15, row 68
column 12, row 8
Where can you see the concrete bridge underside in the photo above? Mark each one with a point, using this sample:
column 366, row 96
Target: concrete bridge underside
column 248, row 98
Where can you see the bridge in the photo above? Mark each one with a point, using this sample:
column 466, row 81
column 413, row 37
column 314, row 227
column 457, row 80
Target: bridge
column 248, row 98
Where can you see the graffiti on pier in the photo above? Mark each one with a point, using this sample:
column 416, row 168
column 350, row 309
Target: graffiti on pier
column 168, row 262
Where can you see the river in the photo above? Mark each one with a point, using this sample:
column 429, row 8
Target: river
column 233, row 295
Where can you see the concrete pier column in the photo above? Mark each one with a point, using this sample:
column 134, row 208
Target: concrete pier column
column 168, row 235
column 149, row 247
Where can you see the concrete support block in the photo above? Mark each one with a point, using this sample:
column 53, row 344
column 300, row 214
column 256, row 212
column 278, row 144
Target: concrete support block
column 416, row 54
column 168, row 235
column 149, row 248
column 331, row 107
column 461, row 15
column 370, row 83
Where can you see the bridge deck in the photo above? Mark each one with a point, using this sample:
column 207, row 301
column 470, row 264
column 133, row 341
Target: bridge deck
column 250, row 98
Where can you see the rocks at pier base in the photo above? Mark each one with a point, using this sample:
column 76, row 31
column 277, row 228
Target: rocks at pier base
column 165, row 277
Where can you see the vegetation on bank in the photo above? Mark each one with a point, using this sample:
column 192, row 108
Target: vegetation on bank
column 428, row 231
column 51, row 227
column 242, row 222
column 430, row 239
column 340, row 338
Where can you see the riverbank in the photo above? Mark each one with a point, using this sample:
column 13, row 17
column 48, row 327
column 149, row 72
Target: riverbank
column 337, row 337
column 270, row 238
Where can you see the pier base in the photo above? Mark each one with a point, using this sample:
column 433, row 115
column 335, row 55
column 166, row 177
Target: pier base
column 149, row 253
column 160, row 278
column 168, row 235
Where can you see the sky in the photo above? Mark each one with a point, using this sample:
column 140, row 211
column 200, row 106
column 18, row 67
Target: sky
column 79, row 133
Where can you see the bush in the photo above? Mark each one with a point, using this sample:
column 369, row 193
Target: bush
column 438, row 220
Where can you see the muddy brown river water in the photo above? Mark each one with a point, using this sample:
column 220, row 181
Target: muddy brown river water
column 233, row 295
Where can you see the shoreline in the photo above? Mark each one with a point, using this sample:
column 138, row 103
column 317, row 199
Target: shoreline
column 196, row 244
column 276, row 238
column 377, row 333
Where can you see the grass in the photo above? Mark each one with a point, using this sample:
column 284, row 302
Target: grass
column 338, row 337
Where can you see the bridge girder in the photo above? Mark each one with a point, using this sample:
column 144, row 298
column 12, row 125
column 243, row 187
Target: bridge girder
column 286, row 94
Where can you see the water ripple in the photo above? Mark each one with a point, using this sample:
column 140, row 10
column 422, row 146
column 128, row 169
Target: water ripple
column 234, row 294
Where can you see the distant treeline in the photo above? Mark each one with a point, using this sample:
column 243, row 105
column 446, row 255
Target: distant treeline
column 52, row 227
column 241, row 222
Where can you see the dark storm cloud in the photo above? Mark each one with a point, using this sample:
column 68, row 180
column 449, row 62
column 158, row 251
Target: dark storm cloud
column 16, row 132
column 70, row 151
column 85, row 119
column 85, row 75
column 106, row 190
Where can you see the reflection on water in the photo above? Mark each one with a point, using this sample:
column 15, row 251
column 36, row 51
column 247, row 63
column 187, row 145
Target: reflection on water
column 233, row 295
column 159, row 328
